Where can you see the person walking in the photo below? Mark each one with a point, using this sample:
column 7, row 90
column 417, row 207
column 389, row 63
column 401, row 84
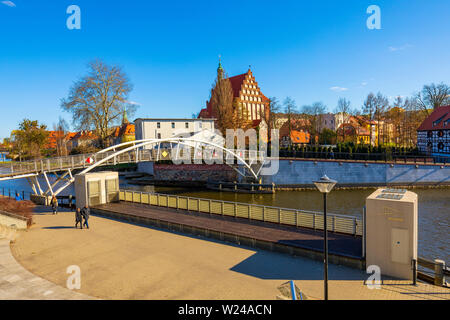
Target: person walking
column 86, row 212
column 78, row 218
column 54, row 204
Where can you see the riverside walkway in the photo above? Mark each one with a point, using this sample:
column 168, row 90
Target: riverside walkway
column 343, row 249
column 129, row 261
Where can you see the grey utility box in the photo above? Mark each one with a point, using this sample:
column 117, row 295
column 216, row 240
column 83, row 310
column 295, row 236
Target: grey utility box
column 96, row 188
column 391, row 232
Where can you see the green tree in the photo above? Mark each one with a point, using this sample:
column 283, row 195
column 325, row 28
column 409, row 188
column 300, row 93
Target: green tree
column 30, row 139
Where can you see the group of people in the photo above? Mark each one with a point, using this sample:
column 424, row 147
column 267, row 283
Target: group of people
column 81, row 215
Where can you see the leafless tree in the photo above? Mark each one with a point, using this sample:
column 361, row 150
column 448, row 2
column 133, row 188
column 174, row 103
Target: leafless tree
column 344, row 110
column 290, row 109
column 313, row 115
column 381, row 106
column 97, row 100
column 433, row 96
column 271, row 116
column 61, row 130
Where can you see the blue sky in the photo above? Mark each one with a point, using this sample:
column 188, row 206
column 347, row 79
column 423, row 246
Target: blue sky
column 170, row 51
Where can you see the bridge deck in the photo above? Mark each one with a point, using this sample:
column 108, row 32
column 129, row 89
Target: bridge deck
column 339, row 244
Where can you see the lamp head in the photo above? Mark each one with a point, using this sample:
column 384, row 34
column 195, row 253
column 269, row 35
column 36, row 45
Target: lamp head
column 325, row 184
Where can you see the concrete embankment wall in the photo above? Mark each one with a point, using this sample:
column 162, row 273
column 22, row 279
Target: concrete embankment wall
column 188, row 172
column 301, row 173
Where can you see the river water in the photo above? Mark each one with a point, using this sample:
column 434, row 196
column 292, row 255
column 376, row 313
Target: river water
column 434, row 207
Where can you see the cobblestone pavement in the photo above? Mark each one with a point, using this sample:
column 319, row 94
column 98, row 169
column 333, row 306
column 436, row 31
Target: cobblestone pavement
column 16, row 283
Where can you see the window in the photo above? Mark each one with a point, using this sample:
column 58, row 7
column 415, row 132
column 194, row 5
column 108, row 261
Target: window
column 200, row 125
column 173, row 125
column 441, row 146
column 440, row 133
column 159, row 135
column 430, row 134
column 435, row 123
column 158, row 125
column 186, row 125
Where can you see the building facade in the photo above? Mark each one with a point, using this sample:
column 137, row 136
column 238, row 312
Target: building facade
column 247, row 93
column 433, row 135
column 169, row 128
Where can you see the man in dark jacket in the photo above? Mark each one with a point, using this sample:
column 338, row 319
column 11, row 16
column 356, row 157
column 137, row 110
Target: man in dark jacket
column 78, row 218
column 85, row 213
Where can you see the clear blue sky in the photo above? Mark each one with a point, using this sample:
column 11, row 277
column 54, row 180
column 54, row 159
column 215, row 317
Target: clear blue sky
column 170, row 51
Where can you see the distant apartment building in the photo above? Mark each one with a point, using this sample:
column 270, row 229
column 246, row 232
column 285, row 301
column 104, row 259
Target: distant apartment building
column 83, row 138
column 328, row 121
column 294, row 135
column 433, row 135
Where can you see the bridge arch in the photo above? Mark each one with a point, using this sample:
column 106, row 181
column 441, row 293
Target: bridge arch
column 137, row 144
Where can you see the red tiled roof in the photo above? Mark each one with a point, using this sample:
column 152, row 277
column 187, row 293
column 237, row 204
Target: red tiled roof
column 84, row 135
column 437, row 120
column 236, row 83
column 126, row 129
column 296, row 124
column 300, row 136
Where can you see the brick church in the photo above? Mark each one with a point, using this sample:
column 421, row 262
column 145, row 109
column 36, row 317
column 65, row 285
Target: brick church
column 247, row 93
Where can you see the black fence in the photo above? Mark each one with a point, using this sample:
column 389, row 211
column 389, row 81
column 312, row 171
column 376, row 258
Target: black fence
column 379, row 157
column 63, row 201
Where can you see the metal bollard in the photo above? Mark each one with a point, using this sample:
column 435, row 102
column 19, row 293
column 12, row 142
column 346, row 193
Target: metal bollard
column 439, row 266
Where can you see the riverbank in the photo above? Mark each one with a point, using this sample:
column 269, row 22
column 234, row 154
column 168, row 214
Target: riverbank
column 127, row 261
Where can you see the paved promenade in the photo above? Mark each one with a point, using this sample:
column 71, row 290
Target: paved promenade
column 128, row 261
column 16, row 283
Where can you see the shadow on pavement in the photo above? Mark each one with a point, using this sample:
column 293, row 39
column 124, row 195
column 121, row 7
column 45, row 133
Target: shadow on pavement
column 261, row 265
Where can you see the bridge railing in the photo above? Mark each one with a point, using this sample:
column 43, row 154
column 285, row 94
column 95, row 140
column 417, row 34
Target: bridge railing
column 284, row 216
column 81, row 161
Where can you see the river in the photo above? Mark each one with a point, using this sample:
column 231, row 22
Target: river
column 434, row 207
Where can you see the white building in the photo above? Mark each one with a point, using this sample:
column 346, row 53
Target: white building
column 169, row 128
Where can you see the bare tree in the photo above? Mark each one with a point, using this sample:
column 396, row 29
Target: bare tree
column 433, row 96
column 271, row 116
column 381, row 105
column 61, row 129
column 313, row 114
column 343, row 110
column 97, row 100
column 290, row 109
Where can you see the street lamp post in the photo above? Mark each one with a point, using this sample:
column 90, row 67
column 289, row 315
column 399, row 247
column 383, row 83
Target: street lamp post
column 325, row 185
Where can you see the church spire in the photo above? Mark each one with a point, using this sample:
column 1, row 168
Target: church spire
column 125, row 117
column 220, row 69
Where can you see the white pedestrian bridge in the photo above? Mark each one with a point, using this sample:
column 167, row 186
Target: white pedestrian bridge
column 247, row 163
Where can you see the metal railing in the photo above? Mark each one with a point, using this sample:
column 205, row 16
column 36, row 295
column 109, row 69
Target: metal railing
column 432, row 272
column 80, row 161
column 372, row 157
column 308, row 219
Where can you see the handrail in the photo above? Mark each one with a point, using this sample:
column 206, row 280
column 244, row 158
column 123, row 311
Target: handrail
column 346, row 224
